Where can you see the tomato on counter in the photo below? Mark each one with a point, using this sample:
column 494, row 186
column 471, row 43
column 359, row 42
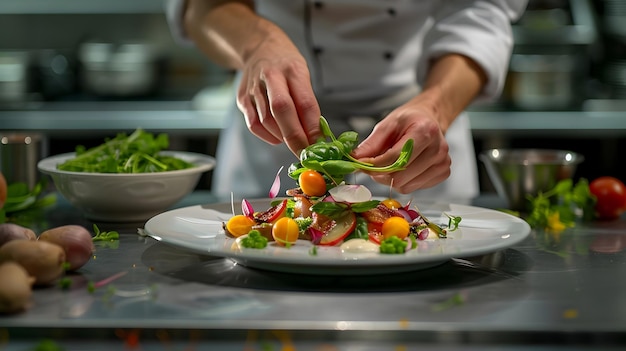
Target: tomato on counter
column 610, row 193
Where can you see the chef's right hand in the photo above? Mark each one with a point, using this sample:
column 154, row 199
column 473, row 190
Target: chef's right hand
column 276, row 96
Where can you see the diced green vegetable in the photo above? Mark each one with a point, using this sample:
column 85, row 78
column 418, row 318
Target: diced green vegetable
column 254, row 240
column 393, row 245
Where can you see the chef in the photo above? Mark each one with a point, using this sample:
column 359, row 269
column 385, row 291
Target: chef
column 391, row 70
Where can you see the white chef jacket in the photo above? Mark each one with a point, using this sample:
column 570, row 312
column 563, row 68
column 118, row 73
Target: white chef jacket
column 366, row 57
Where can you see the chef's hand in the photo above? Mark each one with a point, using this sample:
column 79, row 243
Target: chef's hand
column 453, row 81
column 275, row 94
column 276, row 97
column 430, row 161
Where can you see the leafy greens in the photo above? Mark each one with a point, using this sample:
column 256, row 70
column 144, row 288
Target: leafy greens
column 135, row 153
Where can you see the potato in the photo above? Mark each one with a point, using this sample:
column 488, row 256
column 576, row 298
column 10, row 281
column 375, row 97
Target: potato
column 75, row 240
column 12, row 231
column 16, row 289
column 3, row 190
column 42, row 260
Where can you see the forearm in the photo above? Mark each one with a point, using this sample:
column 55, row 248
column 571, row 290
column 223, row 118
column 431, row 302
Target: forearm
column 227, row 31
column 452, row 83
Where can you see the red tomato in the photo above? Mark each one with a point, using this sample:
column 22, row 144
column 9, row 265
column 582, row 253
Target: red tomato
column 611, row 197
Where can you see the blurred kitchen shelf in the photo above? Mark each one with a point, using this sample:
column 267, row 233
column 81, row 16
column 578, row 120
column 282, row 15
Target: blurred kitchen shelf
column 582, row 30
column 111, row 116
column 80, row 6
column 579, row 124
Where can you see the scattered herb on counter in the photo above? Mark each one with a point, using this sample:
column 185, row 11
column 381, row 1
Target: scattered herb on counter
column 104, row 236
column 135, row 153
column 457, row 299
column 560, row 207
column 65, row 283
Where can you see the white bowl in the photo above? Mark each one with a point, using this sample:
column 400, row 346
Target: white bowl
column 120, row 197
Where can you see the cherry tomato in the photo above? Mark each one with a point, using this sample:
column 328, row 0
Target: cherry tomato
column 611, row 197
column 285, row 231
column 239, row 225
column 392, row 204
column 312, row 183
column 396, row 226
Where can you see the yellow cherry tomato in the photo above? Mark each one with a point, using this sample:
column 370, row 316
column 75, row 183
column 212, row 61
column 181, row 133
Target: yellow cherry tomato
column 285, row 231
column 395, row 226
column 312, row 183
column 392, row 204
column 239, row 225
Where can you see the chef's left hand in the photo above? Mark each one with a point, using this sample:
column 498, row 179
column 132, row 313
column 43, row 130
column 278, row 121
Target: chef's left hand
column 453, row 81
column 430, row 161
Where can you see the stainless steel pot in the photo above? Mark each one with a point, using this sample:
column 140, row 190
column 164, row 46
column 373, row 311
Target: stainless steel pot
column 13, row 77
column 542, row 81
column 119, row 70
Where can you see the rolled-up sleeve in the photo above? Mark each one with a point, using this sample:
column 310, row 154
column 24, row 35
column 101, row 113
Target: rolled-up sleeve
column 174, row 14
column 480, row 31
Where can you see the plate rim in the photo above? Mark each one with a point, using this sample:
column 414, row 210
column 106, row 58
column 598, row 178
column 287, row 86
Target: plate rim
column 383, row 263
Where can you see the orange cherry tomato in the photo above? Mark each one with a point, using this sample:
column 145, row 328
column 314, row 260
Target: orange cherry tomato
column 239, row 225
column 312, row 183
column 395, row 226
column 392, row 204
column 285, row 231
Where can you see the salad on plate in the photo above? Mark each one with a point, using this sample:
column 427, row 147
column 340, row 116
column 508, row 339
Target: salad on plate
column 326, row 210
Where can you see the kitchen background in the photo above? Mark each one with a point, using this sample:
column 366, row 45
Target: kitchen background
column 77, row 71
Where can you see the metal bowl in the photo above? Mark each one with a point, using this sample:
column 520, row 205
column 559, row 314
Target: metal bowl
column 519, row 173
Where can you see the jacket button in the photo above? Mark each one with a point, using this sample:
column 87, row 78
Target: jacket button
column 318, row 50
column 391, row 12
column 388, row 55
column 318, row 4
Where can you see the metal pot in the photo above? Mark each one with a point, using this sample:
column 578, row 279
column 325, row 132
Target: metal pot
column 119, row 70
column 14, row 78
column 542, row 81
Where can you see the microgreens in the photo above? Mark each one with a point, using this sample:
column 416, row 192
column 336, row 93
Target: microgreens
column 135, row 153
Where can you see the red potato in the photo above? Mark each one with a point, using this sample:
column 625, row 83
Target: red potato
column 16, row 289
column 3, row 190
column 75, row 240
column 12, row 231
column 42, row 260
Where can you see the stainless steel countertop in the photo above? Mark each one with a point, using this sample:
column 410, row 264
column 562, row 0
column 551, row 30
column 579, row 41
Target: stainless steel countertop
column 549, row 291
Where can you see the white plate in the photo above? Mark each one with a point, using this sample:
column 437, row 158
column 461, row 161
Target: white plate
column 199, row 229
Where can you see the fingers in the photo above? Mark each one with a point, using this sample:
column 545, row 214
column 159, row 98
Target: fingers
column 277, row 112
column 418, row 175
column 429, row 163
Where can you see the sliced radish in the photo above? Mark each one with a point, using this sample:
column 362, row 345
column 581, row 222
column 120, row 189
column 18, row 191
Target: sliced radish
column 341, row 228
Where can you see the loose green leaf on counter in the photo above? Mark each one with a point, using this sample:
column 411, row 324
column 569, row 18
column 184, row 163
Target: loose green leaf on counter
column 104, row 236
